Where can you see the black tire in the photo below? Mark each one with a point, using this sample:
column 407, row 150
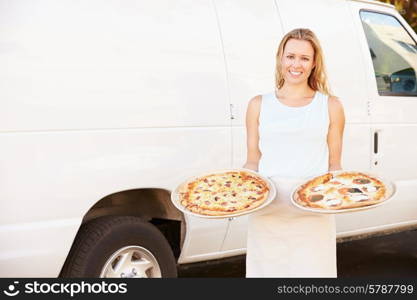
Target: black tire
column 100, row 238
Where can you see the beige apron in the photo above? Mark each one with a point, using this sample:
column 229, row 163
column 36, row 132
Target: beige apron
column 285, row 241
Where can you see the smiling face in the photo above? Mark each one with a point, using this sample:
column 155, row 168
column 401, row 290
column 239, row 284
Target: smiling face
column 297, row 61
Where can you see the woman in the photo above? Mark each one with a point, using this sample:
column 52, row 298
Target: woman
column 293, row 133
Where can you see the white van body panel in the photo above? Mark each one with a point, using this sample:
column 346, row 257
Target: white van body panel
column 109, row 54
column 90, row 109
column 128, row 95
column 36, row 249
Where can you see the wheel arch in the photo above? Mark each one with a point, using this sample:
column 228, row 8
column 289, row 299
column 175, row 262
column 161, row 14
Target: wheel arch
column 152, row 205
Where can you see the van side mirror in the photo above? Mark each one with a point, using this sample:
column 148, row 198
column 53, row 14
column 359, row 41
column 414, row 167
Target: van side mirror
column 403, row 81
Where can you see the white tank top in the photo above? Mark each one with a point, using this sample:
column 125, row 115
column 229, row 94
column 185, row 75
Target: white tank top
column 293, row 140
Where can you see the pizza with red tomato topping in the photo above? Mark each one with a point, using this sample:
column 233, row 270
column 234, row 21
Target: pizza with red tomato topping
column 223, row 193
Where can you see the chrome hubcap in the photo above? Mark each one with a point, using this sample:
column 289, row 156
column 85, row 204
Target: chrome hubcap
column 131, row 262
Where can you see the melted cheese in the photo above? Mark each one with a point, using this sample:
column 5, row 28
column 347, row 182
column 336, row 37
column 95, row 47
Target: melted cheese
column 360, row 197
column 318, row 188
column 333, row 202
column 370, row 188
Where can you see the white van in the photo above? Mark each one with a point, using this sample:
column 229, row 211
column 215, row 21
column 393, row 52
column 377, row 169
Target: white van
column 107, row 105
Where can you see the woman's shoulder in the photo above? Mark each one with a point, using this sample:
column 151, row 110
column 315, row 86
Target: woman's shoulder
column 334, row 102
column 336, row 111
column 254, row 104
column 257, row 100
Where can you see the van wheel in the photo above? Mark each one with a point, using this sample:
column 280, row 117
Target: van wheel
column 120, row 246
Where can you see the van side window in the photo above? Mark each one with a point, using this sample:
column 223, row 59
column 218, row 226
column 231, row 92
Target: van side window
column 393, row 53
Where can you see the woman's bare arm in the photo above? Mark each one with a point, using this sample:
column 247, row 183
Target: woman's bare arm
column 335, row 133
column 252, row 134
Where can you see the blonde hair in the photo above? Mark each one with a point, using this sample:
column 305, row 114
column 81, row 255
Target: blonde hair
column 318, row 78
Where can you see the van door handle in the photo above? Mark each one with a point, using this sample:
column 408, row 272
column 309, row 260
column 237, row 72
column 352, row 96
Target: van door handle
column 376, row 142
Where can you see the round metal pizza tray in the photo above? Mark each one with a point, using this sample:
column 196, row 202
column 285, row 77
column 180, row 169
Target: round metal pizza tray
column 390, row 186
column 176, row 199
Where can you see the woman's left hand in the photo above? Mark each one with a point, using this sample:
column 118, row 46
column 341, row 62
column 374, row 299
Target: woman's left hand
column 335, row 168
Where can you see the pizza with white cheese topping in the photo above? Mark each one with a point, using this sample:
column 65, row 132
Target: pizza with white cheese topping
column 341, row 191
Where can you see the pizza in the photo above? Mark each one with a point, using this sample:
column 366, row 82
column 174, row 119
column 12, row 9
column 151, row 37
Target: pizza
column 223, row 193
column 341, row 191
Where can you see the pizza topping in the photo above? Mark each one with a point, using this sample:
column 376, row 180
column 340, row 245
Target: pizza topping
column 354, row 190
column 344, row 190
column 361, row 181
column 335, row 182
column 333, row 202
column 360, row 197
column 370, row 188
column 315, row 198
column 318, row 188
